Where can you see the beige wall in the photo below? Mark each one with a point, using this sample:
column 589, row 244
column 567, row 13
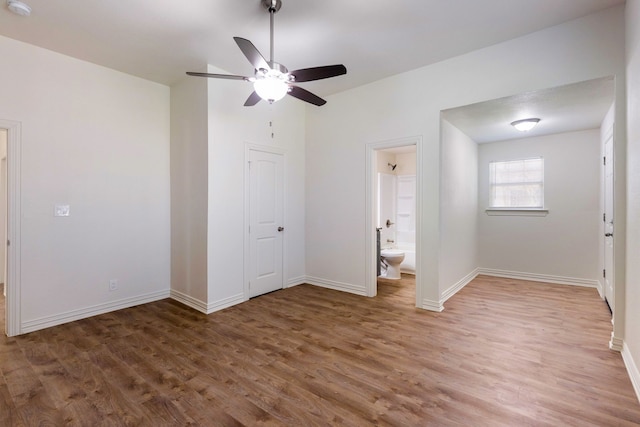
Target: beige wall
column 406, row 163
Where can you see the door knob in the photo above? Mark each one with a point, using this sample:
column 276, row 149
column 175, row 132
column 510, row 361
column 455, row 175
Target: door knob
column 608, row 234
column 280, row 228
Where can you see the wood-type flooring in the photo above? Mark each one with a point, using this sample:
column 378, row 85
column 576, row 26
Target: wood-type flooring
column 502, row 353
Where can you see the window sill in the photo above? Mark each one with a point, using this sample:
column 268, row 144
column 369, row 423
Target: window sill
column 516, row 212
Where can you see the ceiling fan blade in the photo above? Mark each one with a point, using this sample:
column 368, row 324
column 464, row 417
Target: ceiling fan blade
column 252, row 100
column 305, row 95
column 252, row 54
column 218, row 76
column 318, row 73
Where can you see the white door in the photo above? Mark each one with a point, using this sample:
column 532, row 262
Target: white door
column 608, row 221
column 266, row 226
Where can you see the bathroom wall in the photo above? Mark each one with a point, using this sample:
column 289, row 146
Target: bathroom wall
column 406, row 163
column 383, row 158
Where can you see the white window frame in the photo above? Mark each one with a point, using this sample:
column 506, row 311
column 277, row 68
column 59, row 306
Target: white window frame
column 516, row 210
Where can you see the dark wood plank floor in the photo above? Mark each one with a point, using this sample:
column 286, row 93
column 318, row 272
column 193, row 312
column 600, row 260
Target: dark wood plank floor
column 503, row 353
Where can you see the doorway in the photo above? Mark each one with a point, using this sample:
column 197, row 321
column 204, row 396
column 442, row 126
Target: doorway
column 394, row 165
column 13, row 134
column 607, row 187
column 264, row 189
column 3, row 224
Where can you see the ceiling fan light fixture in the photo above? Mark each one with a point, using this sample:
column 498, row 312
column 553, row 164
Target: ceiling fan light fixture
column 525, row 125
column 271, row 86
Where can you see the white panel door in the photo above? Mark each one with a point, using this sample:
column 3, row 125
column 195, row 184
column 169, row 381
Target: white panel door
column 265, row 222
column 608, row 224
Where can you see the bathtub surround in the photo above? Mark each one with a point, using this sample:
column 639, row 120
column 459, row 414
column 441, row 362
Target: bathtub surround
column 406, row 220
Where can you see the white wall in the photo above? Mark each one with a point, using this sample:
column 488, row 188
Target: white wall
column 210, row 132
column 458, row 208
column 565, row 243
column 632, row 321
column 231, row 125
column 189, row 177
column 98, row 140
column 409, row 105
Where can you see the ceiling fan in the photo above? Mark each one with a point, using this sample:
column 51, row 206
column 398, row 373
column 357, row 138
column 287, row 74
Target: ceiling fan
column 272, row 81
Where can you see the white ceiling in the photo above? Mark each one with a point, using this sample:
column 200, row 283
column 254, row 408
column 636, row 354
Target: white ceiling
column 567, row 108
column 161, row 39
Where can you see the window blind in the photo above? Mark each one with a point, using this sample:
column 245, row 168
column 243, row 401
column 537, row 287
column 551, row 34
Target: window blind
column 517, row 184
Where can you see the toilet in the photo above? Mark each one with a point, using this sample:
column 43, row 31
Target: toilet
column 393, row 258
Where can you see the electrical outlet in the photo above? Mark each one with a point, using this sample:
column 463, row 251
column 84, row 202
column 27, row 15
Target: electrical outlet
column 113, row 284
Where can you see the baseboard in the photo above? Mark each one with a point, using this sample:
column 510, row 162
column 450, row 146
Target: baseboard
column 73, row 315
column 632, row 369
column 204, row 307
column 458, row 285
column 601, row 289
column 535, row 277
column 295, row 281
column 430, row 305
column 616, row 343
column 338, row 286
column 189, row 301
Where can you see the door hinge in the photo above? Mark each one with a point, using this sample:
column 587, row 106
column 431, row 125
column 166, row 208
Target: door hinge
column 604, row 217
column 604, row 160
column 604, row 273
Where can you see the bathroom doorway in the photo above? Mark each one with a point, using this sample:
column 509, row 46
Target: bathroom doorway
column 393, row 218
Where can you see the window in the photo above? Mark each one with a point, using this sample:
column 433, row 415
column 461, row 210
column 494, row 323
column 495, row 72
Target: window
column 517, row 184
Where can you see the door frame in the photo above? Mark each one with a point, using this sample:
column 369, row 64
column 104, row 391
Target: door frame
column 610, row 273
column 248, row 147
column 371, row 287
column 13, row 300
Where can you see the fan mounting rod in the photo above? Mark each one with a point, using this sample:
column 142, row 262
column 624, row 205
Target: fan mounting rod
column 272, row 6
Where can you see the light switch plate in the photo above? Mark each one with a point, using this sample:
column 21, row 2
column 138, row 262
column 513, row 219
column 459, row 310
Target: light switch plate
column 62, row 210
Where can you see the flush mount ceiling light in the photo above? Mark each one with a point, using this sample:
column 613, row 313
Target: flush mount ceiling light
column 19, row 8
column 525, row 124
